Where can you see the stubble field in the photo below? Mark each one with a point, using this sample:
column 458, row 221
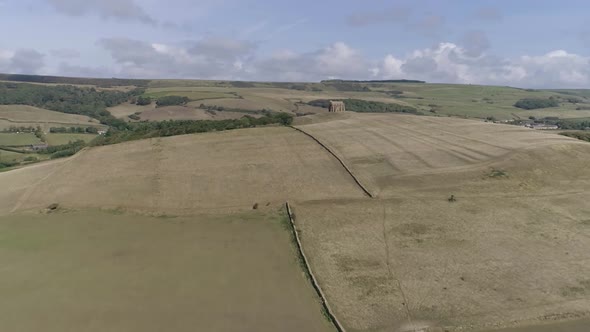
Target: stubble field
column 512, row 249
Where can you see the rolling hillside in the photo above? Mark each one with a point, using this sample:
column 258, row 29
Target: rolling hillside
column 408, row 257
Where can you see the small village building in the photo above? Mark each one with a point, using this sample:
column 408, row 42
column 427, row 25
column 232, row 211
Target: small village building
column 39, row 146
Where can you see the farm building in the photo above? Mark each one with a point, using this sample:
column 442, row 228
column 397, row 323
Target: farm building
column 337, row 106
column 38, row 147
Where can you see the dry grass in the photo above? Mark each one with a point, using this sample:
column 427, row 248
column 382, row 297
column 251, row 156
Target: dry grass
column 218, row 171
column 511, row 250
column 95, row 271
column 382, row 148
column 25, row 116
column 187, row 113
column 124, row 110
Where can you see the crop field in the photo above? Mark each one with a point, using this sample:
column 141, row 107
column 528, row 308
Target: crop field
column 59, row 138
column 25, row 116
column 124, row 110
column 381, row 149
column 18, row 139
column 89, row 271
column 472, row 226
column 188, row 113
column 224, row 171
column 510, row 249
column 189, row 93
column 472, row 101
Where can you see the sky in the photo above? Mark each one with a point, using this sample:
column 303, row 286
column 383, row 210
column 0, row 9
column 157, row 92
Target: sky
column 524, row 43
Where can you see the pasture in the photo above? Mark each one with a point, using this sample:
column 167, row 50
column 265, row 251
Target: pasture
column 25, row 116
column 510, row 249
column 60, row 139
column 18, row 139
column 222, row 171
column 88, row 270
column 471, row 101
column 382, row 148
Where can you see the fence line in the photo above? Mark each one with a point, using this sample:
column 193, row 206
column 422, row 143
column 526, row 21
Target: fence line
column 314, row 281
column 358, row 182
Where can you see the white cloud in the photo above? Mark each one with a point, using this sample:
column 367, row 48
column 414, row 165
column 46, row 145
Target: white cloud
column 22, row 61
column 448, row 62
column 213, row 58
column 108, row 9
column 223, row 58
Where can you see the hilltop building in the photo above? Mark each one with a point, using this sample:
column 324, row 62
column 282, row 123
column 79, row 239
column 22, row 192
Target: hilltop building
column 337, row 106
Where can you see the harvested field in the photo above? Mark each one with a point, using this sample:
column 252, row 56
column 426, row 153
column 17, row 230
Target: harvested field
column 25, row 116
column 382, row 148
column 187, row 113
column 192, row 94
column 479, row 263
column 124, row 110
column 222, row 171
column 511, row 249
column 96, row 271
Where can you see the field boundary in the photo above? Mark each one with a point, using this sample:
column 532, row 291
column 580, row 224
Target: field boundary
column 358, row 182
column 309, row 272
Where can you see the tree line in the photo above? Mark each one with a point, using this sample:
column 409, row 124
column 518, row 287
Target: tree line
column 536, row 103
column 366, row 106
column 101, row 82
column 73, row 130
column 68, row 99
column 142, row 130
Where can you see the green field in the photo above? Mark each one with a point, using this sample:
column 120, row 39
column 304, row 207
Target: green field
column 472, row 101
column 14, row 139
column 189, row 93
column 107, row 271
column 59, row 139
column 15, row 157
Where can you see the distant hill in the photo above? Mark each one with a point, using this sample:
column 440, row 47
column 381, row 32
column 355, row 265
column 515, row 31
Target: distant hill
column 101, row 82
column 372, row 81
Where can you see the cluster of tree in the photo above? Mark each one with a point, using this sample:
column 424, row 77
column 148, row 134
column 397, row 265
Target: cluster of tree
column 142, row 101
column 535, row 103
column 581, row 135
column 22, row 129
column 571, row 124
column 172, row 101
column 78, row 130
column 68, row 99
column 242, row 84
column 214, row 108
column 366, row 106
column 348, row 86
column 6, row 163
column 65, row 150
column 373, row 81
column 101, row 82
column 142, row 130
column 40, row 134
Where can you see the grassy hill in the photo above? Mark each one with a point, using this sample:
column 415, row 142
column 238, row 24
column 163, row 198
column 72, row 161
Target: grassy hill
column 407, row 256
column 466, row 225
